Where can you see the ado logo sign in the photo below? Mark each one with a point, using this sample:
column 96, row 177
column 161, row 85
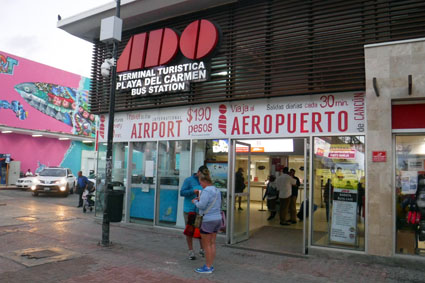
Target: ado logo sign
column 159, row 47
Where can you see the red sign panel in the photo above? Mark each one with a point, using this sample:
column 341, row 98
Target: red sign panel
column 159, row 47
column 379, row 156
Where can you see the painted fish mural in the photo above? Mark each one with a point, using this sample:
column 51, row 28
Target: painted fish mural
column 65, row 104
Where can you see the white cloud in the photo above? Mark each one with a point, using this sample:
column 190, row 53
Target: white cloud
column 29, row 31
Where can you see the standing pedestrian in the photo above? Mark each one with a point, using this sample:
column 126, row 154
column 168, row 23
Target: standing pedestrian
column 82, row 184
column 272, row 195
column 239, row 185
column 190, row 190
column 294, row 196
column 284, row 185
column 209, row 204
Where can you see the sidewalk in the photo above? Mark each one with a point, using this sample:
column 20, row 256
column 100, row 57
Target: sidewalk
column 66, row 243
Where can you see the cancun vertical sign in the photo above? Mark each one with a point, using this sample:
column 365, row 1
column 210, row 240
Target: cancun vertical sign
column 145, row 65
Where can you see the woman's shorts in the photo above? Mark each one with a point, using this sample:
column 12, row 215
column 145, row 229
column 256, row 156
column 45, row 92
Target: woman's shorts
column 210, row 227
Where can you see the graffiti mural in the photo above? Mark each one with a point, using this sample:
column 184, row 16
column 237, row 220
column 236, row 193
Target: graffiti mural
column 16, row 107
column 65, row 104
column 7, row 64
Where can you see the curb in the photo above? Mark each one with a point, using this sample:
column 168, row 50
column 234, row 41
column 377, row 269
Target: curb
column 11, row 188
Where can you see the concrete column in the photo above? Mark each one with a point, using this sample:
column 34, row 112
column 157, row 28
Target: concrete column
column 390, row 63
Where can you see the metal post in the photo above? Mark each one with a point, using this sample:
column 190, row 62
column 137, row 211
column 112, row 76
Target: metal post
column 108, row 178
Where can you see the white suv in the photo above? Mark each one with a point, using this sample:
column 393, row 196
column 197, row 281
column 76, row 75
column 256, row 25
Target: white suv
column 54, row 180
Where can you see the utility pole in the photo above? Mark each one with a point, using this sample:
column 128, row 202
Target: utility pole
column 111, row 23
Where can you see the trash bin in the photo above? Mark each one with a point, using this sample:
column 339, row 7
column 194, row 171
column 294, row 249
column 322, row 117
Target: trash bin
column 115, row 201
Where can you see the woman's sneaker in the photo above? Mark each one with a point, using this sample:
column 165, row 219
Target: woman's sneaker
column 205, row 269
column 192, row 255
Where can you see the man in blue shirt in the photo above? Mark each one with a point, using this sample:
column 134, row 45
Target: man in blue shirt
column 82, row 183
column 190, row 190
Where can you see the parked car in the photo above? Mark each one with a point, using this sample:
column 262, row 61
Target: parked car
column 54, row 180
column 26, row 182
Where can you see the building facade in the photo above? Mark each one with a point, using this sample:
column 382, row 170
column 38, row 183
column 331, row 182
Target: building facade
column 44, row 119
column 325, row 88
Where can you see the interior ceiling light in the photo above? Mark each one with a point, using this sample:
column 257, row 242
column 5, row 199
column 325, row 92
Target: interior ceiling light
column 63, row 139
column 36, row 136
column 6, row 132
column 87, row 141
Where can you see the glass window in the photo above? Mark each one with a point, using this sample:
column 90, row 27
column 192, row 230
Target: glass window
column 173, row 168
column 143, row 182
column 213, row 154
column 410, row 194
column 338, row 192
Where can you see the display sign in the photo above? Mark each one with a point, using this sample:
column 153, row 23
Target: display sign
column 294, row 116
column 409, row 182
column 344, row 216
column 379, row 156
column 146, row 51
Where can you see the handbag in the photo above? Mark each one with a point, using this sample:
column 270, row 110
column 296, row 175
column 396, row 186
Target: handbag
column 199, row 217
column 198, row 221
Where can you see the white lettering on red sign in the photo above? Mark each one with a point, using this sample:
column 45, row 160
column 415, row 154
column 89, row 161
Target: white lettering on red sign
column 342, row 113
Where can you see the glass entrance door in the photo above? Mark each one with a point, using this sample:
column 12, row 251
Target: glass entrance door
column 240, row 191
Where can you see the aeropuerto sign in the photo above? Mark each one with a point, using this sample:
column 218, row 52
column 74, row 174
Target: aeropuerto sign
column 145, row 52
column 295, row 116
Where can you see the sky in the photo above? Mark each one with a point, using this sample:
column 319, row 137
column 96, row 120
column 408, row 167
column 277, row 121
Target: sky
column 28, row 30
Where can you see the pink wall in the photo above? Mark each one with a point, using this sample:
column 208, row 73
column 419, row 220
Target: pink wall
column 33, row 150
column 24, row 71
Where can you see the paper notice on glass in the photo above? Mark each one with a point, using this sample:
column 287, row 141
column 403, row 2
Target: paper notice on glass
column 344, row 216
column 149, row 168
column 145, row 188
column 117, row 164
column 409, row 182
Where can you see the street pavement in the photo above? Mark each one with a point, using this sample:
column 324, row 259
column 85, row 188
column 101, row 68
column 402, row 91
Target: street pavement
column 48, row 239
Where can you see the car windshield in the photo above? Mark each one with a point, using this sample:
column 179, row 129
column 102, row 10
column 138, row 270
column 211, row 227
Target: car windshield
column 53, row 172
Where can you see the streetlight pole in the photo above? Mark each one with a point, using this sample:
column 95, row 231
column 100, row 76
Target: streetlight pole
column 108, row 178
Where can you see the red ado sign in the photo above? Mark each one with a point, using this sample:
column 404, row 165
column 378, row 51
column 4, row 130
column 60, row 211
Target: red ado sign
column 379, row 156
column 159, row 47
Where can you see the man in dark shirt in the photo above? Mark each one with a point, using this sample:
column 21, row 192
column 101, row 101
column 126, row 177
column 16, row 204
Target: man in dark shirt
column 82, row 183
column 293, row 199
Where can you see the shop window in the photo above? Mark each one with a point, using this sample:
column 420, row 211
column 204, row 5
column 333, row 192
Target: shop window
column 173, row 168
column 213, row 154
column 410, row 194
column 339, row 192
column 143, row 182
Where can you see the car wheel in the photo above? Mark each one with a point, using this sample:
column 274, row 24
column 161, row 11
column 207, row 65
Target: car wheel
column 71, row 191
column 35, row 194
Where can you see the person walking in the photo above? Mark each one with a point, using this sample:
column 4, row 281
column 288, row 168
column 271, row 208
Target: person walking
column 82, row 184
column 190, row 190
column 209, row 205
column 284, row 185
column 271, row 194
column 239, row 185
column 294, row 196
